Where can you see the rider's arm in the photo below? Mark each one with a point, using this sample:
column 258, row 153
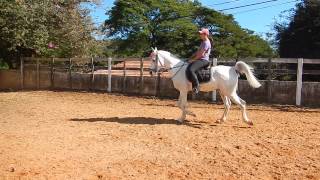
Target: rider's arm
column 200, row 52
column 197, row 55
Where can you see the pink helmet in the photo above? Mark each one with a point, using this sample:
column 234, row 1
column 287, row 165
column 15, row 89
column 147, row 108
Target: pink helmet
column 204, row 31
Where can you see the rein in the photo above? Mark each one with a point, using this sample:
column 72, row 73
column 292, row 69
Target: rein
column 178, row 70
column 165, row 69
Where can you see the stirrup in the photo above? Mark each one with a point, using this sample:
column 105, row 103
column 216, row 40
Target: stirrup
column 195, row 90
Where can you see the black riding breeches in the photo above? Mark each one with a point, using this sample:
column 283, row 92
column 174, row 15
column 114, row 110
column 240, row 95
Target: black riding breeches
column 195, row 66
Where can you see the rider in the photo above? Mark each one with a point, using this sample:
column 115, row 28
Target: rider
column 199, row 59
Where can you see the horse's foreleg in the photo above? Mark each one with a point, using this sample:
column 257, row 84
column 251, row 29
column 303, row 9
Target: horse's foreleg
column 179, row 102
column 190, row 113
column 183, row 105
column 227, row 105
column 236, row 99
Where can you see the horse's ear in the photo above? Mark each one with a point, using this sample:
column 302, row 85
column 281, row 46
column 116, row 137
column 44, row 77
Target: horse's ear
column 156, row 49
column 152, row 48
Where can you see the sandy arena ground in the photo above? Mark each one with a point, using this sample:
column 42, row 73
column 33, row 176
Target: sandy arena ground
column 75, row 135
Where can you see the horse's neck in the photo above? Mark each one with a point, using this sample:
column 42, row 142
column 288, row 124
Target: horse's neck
column 173, row 64
column 169, row 61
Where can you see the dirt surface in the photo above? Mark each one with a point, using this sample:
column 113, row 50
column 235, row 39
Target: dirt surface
column 75, row 135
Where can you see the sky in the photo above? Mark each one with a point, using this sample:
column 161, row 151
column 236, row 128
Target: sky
column 258, row 18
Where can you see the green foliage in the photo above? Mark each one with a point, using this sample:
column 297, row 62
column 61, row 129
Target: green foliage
column 3, row 65
column 173, row 25
column 229, row 38
column 133, row 27
column 139, row 25
column 301, row 36
column 100, row 48
column 30, row 25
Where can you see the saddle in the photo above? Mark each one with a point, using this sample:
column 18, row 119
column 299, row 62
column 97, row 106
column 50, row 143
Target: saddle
column 203, row 74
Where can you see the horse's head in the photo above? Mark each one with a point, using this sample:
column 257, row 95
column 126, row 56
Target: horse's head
column 156, row 61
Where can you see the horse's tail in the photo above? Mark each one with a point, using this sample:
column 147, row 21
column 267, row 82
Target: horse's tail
column 244, row 68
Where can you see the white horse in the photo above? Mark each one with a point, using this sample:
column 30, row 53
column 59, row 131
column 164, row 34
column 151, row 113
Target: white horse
column 223, row 78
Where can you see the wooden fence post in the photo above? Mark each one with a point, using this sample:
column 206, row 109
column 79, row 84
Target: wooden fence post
column 52, row 73
column 214, row 92
column 158, row 84
column 22, row 73
column 124, row 76
column 70, row 73
column 269, row 80
column 141, row 75
column 92, row 71
column 299, row 81
column 38, row 74
column 157, row 78
column 109, row 74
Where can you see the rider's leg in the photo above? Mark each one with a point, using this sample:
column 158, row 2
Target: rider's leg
column 195, row 66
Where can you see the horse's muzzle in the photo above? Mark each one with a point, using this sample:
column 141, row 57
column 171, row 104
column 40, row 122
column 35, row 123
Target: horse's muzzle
column 152, row 71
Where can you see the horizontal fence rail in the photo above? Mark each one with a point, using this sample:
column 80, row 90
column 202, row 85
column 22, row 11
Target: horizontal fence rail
column 110, row 65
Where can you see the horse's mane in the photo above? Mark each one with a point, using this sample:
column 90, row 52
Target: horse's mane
column 171, row 55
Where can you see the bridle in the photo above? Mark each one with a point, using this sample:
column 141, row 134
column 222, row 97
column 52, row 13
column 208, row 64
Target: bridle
column 163, row 69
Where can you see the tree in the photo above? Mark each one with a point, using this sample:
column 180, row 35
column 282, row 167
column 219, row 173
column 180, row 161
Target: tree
column 140, row 25
column 173, row 25
column 28, row 27
column 301, row 36
column 21, row 27
column 230, row 39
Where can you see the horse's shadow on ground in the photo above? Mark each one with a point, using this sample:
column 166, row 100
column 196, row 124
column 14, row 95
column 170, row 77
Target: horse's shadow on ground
column 138, row 120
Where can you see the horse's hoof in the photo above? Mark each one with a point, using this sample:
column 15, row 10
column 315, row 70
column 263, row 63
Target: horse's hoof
column 191, row 114
column 250, row 123
column 179, row 122
column 219, row 121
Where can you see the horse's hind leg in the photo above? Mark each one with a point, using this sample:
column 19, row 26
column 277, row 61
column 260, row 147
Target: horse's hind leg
column 236, row 99
column 227, row 105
